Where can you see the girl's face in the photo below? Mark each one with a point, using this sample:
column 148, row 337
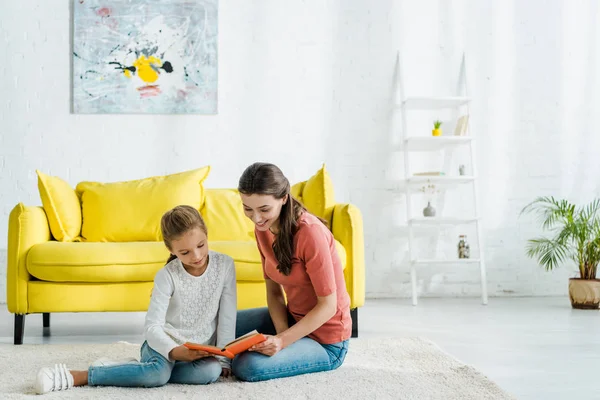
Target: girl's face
column 192, row 249
column 263, row 210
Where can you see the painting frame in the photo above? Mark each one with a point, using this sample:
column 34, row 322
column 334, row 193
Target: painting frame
column 145, row 57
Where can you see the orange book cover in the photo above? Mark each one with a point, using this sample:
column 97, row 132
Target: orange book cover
column 230, row 350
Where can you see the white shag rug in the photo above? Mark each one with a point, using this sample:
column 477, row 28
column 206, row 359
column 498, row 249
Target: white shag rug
column 400, row 368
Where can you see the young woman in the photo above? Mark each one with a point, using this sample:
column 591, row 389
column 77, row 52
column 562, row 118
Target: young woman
column 310, row 333
column 193, row 299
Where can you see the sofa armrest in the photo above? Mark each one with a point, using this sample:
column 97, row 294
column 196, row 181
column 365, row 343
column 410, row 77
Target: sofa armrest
column 27, row 226
column 347, row 228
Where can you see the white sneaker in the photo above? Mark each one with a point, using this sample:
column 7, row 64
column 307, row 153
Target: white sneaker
column 53, row 379
column 107, row 362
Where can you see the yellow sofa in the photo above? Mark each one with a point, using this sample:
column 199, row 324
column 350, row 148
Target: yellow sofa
column 98, row 247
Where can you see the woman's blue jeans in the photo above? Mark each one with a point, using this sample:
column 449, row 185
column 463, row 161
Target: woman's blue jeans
column 301, row 357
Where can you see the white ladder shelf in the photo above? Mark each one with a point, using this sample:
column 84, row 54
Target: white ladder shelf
column 436, row 143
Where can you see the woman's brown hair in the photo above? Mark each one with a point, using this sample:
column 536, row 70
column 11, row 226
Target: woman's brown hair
column 267, row 179
column 177, row 221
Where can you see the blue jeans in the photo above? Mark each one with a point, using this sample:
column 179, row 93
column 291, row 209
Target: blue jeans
column 155, row 370
column 301, row 357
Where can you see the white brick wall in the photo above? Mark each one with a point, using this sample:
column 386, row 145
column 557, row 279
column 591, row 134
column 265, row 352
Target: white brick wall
column 305, row 82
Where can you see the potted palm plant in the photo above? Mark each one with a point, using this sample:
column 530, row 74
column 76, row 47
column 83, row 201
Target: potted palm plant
column 575, row 237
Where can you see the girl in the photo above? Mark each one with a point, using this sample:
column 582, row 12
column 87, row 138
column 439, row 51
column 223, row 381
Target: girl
column 310, row 333
column 193, row 299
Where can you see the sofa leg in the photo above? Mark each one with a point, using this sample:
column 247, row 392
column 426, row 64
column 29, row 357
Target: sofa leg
column 354, row 316
column 46, row 324
column 19, row 328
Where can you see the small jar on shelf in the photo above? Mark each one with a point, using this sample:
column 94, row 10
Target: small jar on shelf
column 464, row 250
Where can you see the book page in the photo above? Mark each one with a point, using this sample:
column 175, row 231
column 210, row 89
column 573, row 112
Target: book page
column 254, row 332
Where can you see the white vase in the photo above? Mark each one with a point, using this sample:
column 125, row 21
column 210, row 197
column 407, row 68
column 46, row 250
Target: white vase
column 429, row 211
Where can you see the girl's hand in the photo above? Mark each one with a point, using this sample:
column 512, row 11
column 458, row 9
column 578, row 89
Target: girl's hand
column 182, row 353
column 269, row 347
column 226, row 372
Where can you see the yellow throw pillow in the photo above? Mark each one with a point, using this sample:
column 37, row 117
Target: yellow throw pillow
column 318, row 195
column 131, row 211
column 223, row 213
column 62, row 207
column 296, row 191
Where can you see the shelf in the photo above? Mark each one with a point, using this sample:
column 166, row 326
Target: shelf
column 442, row 182
column 432, row 143
column 441, row 221
column 433, row 103
column 422, row 261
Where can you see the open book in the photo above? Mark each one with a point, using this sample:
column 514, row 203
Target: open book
column 239, row 345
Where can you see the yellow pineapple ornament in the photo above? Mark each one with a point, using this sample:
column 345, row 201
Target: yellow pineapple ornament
column 437, row 131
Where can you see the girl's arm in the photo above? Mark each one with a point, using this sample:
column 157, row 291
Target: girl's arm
column 276, row 304
column 154, row 330
column 227, row 311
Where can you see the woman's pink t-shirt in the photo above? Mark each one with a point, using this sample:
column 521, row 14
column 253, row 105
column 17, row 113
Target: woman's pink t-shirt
column 316, row 271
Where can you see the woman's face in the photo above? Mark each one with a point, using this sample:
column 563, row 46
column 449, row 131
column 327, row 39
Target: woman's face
column 263, row 210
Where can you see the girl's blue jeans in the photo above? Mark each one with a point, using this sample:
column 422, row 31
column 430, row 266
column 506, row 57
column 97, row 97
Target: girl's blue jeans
column 155, row 370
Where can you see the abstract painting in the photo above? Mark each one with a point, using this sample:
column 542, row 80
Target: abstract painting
column 145, row 56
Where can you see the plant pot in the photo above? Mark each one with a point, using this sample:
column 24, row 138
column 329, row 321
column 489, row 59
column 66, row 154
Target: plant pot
column 584, row 293
column 436, row 132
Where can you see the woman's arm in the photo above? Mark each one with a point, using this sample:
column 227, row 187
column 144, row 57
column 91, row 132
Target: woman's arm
column 314, row 249
column 276, row 304
column 321, row 313
column 275, row 298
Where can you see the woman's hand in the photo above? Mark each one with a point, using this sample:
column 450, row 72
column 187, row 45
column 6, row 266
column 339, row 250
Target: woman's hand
column 182, row 353
column 269, row 347
column 226, row 372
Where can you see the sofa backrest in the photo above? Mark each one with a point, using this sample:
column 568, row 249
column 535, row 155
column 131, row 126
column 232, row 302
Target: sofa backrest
column 223, row 211
column 131, row 210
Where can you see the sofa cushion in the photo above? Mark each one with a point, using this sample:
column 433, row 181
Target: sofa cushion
column 131, row 261
column 246, row 256
column 96, row 262
column 62, row 207
column 131, row 211
column 223, row 214
column 318, row 196
column 125, row 262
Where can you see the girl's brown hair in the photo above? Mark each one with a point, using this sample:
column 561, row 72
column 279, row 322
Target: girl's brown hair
column 267, row 179
column 178, row 221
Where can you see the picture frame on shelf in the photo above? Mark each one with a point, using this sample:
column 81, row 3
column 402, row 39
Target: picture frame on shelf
column 462, row 126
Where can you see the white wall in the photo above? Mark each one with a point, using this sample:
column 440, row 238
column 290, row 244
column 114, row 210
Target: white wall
column 533, row 77
column 305, row 82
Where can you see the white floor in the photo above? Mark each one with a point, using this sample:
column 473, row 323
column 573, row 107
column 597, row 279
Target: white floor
column 534, row 348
